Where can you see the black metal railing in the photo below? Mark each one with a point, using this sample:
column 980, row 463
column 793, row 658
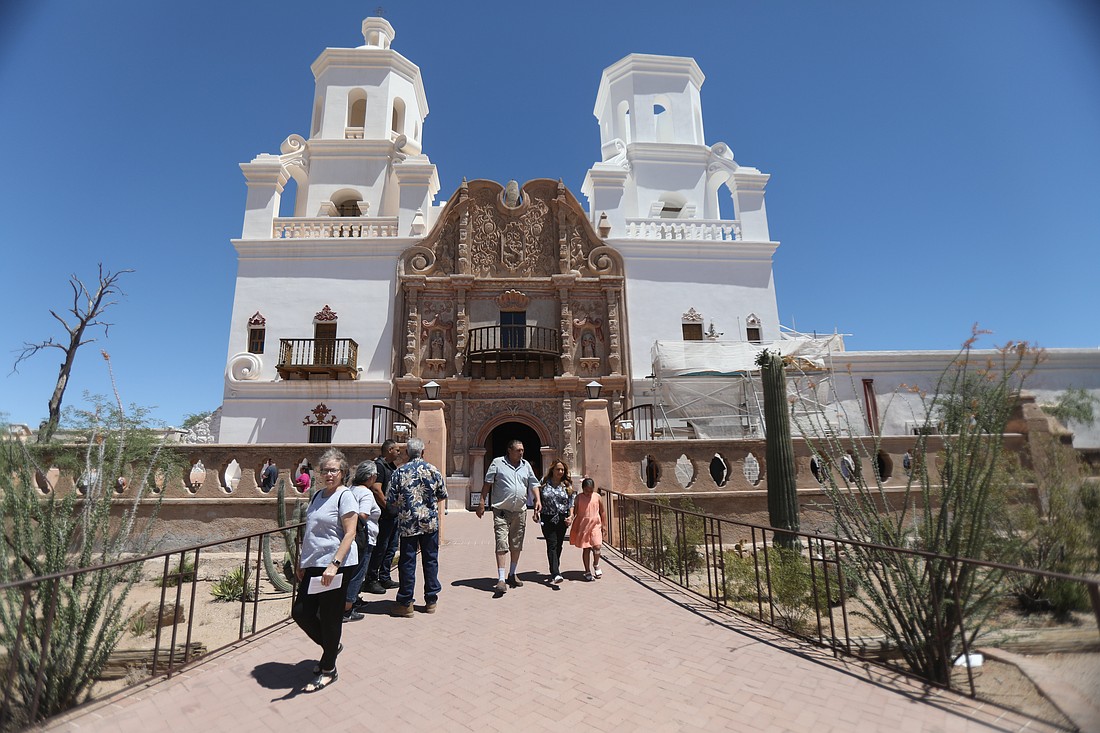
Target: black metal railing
column 513, row 352
column 383, row 422
column 34, row 633
column 495, row 339
column 635, row 423
column 733, row 565
column 295, row 354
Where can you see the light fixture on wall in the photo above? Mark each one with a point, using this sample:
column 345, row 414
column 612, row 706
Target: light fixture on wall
column 431, row 390
column 593, row 388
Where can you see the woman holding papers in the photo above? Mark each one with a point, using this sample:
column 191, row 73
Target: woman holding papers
column 327, row 558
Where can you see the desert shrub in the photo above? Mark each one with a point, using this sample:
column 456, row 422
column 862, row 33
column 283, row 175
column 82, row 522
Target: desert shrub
column 179, row 573
column 49, row 534
column 956, row 512
column 233, row 586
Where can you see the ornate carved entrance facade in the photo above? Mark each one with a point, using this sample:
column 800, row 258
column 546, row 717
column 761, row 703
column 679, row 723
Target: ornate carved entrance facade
column 512, row 304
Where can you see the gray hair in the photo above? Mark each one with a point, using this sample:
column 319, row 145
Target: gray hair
column 337, row 456
column 415, row 448
column 365, row 473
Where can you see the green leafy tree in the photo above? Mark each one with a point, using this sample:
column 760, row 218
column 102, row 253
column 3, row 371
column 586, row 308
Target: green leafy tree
column 71, row 625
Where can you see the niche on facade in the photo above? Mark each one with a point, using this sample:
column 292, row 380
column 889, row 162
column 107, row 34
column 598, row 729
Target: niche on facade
column 751, row 470
column 588, row 336
column 436, row 340
column 884, row 466
column 685, row 471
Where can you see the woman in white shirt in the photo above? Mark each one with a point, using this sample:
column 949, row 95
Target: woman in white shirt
column 327, row 559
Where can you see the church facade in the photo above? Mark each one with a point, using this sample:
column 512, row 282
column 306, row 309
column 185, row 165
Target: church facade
column 512, row 297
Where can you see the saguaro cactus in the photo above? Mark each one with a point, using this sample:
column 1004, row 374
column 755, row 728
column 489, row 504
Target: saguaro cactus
column 782, row 494
column 285, row 579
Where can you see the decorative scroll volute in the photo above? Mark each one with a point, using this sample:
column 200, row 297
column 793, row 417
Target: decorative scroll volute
column 545, row 232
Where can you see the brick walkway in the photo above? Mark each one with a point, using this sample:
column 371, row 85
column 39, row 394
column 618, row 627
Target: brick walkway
column 624, row 653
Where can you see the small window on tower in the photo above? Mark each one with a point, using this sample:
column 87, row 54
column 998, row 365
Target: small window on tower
column 692, row 331
column 256, row 337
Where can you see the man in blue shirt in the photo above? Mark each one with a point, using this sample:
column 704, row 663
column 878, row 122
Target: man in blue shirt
column 507, row 483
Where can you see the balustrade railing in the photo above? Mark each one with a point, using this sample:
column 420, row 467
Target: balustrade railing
column 721, row 230
column 334, row 227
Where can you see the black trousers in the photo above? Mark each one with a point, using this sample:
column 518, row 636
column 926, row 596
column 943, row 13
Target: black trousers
column 321, row 615
column 385, row 547
column 554, row 532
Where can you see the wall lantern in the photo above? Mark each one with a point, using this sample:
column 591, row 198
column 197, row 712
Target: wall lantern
column 431, row 390
column 593, row 388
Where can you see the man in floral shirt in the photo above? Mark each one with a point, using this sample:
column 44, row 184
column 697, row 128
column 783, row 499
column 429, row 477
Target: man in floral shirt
column 416, row 490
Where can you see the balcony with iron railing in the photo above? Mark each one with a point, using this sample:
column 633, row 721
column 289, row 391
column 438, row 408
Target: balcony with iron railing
column 705, row 230
column 305, row 358
column 513, row 352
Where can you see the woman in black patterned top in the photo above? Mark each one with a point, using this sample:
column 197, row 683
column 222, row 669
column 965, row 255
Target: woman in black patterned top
column 554, row 509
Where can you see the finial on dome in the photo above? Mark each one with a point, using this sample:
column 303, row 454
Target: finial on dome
column 377, row 32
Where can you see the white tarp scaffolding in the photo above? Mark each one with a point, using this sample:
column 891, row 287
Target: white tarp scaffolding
column 713, row 386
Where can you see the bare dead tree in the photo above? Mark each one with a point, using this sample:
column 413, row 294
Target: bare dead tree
column 87, row 311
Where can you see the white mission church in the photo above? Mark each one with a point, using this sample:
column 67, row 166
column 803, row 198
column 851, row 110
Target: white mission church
column 513, row 297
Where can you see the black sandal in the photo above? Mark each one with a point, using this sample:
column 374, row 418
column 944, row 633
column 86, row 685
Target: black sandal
column 317, row 667
column 321, row 681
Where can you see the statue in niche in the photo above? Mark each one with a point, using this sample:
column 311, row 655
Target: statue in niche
column 588, row 345
column 435, row 346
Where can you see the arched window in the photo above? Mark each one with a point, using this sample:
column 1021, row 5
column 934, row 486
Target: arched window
column 662, row 119
column 357, row 109
column 623, row 120
column 672, row 205
column 318, row 107
column 397, row 119
column 347, row 203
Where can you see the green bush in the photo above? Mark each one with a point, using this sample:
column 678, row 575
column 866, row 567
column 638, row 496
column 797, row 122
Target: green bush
column 177, row 574
column 792, row 585
column 233, row 586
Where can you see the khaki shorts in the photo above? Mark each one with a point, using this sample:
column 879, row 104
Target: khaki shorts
column 508, row 528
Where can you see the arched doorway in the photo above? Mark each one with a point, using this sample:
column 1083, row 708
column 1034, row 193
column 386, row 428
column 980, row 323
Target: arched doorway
column 496, row 444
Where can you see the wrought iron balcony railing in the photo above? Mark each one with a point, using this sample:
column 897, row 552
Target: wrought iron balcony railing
column 513, row 352
column 301, row 358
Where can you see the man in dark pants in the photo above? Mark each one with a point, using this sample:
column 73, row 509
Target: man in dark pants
column 381, row 560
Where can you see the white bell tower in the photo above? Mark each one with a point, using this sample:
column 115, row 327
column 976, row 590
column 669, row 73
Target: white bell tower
column 654, row 196
column 363, row 156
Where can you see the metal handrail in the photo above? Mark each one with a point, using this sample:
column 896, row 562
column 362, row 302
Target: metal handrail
column 641, row 420
column 29, row 587
column 634, row 515
column 389, row 416
column 517, row 338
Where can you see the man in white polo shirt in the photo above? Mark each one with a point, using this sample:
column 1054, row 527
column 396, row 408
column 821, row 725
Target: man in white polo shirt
column 507, row 483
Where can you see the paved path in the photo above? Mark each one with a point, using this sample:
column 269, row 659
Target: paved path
column 624, row 653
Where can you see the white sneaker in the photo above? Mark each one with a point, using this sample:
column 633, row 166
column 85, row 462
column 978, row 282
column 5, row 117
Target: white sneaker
column 598, row 573
column 557, row 579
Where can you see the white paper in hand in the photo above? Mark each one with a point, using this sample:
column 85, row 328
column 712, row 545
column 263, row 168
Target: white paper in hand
column 316, row 587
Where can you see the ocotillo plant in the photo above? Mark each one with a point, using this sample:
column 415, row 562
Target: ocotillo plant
column 782, row 494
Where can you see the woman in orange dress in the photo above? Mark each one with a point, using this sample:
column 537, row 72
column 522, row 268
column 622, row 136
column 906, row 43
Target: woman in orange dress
column 587, row 529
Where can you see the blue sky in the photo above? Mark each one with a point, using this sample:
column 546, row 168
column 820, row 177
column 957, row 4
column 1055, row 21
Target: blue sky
column 933, row 164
